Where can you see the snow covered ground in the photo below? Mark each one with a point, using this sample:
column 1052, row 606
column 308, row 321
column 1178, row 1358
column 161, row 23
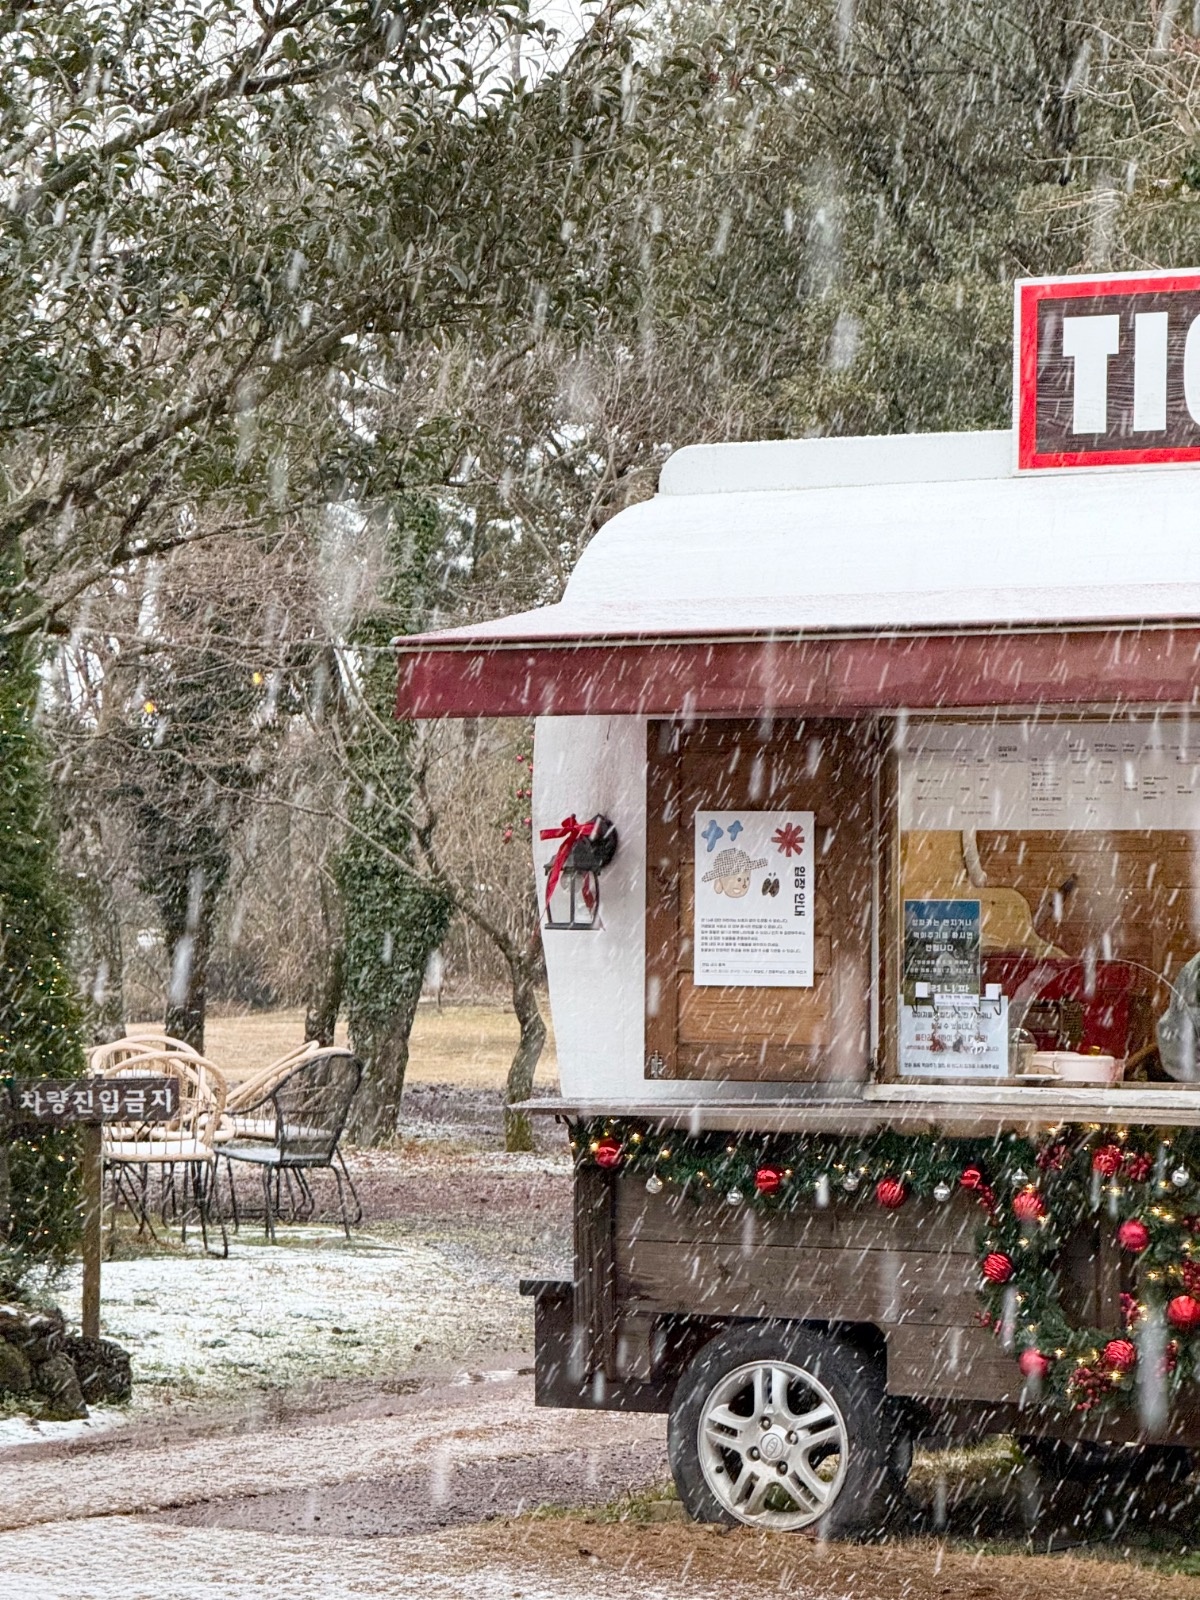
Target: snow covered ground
column 430, row 1279
column 21, row 1428
column 311, row 1306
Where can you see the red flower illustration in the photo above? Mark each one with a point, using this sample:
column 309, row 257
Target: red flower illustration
column 788, row 840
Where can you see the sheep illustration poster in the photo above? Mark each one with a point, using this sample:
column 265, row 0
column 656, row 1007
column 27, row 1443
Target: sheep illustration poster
column 754, row 898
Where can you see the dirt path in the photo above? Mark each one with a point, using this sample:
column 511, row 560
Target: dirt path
column 485, row 1419
column 429, row 1493
column 565, row 1559
column 314, row 1506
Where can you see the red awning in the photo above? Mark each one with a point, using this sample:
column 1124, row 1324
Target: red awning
column 501, row 671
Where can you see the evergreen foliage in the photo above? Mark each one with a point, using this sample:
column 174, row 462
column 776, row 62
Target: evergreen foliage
column 393, row 923
column 39, row 1023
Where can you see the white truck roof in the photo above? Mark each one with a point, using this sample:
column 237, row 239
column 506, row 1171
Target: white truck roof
column 915, row 531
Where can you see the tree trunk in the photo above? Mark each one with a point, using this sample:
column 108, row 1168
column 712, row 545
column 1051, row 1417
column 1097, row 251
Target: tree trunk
column 518, row 1131
column 320, row 1020
column 189, row 940
column 5, row 1178
column 106, row 1008
column 187, row 998
column 375, row 1113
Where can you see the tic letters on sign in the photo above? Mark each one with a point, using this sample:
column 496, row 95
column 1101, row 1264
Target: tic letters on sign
column 1108, row 370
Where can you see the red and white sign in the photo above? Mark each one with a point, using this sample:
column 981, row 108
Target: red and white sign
column 1107, row 370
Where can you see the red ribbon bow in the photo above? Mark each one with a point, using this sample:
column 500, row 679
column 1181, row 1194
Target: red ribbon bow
column 571, row 831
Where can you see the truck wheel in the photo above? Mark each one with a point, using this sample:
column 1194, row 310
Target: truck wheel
column 784, row 1428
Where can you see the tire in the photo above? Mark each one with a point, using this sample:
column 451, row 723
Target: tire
column 831, row 1460
column 1113, row 1466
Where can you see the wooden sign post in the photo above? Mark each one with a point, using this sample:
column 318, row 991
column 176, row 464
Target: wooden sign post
column 89, row 1103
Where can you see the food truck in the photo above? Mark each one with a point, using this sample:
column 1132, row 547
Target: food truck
column 867, row 833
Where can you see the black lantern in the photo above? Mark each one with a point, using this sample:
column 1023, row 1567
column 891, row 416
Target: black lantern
column 585, row 849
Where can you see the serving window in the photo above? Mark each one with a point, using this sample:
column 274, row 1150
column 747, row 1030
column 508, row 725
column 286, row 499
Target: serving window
column 1046, row 919
column 939, row 900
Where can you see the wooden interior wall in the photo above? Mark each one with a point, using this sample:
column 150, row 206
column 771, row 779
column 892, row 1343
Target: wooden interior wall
column 1112, row 895
column 1121, row 895
column 823, row 766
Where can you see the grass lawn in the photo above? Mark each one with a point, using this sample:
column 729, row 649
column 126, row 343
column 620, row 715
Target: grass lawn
column 467, row 1045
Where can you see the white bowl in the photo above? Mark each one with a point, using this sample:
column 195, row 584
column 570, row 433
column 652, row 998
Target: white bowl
column 1070, row 1067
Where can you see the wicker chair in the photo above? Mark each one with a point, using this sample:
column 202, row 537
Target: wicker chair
column 248, row 1112
column 306, row 1110
column 189, row 1142
column 116, row 1051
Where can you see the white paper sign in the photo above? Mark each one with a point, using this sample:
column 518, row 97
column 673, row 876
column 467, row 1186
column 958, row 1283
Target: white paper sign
column 754, row 898
column 957, row 1036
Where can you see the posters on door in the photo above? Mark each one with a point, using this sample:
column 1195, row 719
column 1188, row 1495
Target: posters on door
column 754, row 885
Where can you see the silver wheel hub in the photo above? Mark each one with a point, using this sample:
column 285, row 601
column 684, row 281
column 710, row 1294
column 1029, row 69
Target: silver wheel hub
column 772, row 1445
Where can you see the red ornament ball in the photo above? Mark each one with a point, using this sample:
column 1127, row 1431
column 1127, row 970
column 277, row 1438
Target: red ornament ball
column 891, row 1193
column 608, row 1152
column 768, row 1180
column 997, row 1267
column 1133, row 1235
column 1034, row 1364
column 1184, row 1313
column 1120, row 1355
column 971, row 1178
column 1107, row 1160
column 1029, row 1206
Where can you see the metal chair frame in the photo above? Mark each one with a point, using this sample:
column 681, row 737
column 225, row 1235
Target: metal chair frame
column 298, row 1149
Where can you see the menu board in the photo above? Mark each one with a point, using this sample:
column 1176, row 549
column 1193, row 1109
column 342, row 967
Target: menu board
column 754, row 898
column 1030, row 775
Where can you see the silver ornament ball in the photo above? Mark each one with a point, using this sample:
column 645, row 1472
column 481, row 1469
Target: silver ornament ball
column 1181, row 1177
column 942, row 1192
column 851, row 1182
column 734, row 1197
column 654, row 1184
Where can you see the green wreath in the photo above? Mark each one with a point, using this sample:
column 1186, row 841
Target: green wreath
column 1032, row 1195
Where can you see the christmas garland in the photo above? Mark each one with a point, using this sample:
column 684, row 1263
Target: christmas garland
column 1032, row 1195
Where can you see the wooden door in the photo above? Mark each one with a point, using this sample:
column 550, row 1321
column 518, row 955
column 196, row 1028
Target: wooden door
column 789, row 1035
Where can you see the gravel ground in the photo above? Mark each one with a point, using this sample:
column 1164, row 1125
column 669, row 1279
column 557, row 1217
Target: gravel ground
column 563, row 1559
column 415, row 1495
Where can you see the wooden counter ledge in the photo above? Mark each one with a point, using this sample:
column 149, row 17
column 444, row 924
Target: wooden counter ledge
column 977, row 1111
